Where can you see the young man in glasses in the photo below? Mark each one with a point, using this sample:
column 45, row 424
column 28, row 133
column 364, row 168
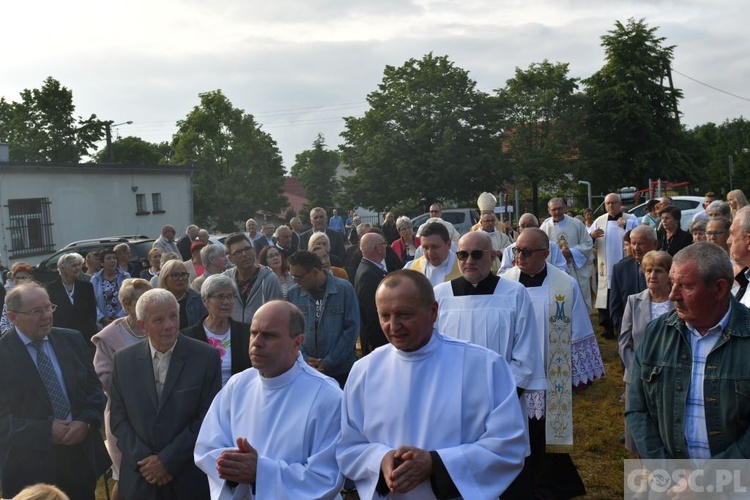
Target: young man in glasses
column 495, row 313
column 257, row 284
column 571, row 358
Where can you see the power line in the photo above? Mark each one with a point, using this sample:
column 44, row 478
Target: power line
column 710, row 86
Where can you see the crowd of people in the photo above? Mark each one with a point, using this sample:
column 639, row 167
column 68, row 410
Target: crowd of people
column 298, row 364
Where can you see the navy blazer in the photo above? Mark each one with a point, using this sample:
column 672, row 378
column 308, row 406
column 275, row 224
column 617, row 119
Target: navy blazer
column 145, row 425
column 366, row 282
column 239, row 336
column 627, row 279
column 81, row 314
column 27, row 455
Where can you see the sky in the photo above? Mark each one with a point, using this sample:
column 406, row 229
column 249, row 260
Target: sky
column 300, row 66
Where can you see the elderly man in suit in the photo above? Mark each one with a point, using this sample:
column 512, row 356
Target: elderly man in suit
column 161, row 390
column 319, row 221
column 370, row 272
column 51, row 402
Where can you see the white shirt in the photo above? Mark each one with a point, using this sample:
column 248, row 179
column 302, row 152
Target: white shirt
column 452, row 397
column 436, row 274
column 292, row 421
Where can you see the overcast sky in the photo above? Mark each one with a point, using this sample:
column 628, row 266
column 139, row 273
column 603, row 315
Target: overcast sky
column 299, row 66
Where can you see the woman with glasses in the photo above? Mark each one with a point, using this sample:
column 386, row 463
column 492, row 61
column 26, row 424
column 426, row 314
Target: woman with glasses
column 174, row 278
column 405, row 246
column 230, row 337
column 107, row 283
column 275, row 260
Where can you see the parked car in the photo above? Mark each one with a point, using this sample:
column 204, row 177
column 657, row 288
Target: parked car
column 689, row 205
column 461, row 218
column 46, row 271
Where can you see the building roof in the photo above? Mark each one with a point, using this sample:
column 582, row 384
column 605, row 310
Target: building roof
column 92, row 167
column 295, row 193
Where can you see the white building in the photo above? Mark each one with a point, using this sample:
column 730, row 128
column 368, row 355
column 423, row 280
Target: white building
column 45, row 206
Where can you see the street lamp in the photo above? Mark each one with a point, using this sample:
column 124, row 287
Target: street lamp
column 109, row 126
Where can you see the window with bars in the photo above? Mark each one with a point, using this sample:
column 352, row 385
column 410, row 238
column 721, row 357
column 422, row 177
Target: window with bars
column 156, row 203
column 30, row 227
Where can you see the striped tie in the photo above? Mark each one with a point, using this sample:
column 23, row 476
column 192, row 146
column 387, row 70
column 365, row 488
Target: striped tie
column 60, row 406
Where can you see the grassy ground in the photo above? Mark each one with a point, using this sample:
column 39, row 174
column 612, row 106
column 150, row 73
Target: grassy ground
column 598, row 424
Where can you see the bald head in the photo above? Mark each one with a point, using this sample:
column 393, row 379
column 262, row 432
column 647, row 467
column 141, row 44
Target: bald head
column 372, row 246
column 526, row 221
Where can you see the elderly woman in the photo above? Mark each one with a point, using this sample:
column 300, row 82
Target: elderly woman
column 215, row 259
column 195, row 265
column 19, row 273
column 698, row 230
column 230, row 337
column 325, row 259
column 121, row 333
column 107, row 283
column 321, row 239
column 76, row 305
column 406, row 246
column 736, row 199
column 640, row 309
column 275, row 260
column 154, row 261
column 174, row 278
column 672, row 238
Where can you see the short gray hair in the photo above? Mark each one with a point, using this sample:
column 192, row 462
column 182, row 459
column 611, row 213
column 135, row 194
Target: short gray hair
column 698, row 226
column 157, row 296
column 711, row 260
column 68, row 259
column 282, row 229
column 216, row 282
column 644, row 230
column 722, row 207
column 403, row 222
column 210, row 252
column 743, row 217
column 13, row 301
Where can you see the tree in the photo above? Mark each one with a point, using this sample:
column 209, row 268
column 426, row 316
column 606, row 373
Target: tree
column 316, row 170
column 41, row 126
column 538, row 106
column 426, row 136
column 633, row 108
column 239, row 169
column 714, row 144
column 134, row 150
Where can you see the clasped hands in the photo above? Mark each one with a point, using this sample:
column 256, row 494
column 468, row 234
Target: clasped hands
column 405, row 468
column 68, row 432
column 240, row 464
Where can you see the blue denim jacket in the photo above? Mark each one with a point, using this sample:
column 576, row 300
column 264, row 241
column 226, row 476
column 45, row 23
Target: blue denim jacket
column 335, row 340
column 660, row 382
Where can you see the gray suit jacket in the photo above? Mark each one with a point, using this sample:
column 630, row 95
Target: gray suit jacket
column 145, row 425
column 634, row 320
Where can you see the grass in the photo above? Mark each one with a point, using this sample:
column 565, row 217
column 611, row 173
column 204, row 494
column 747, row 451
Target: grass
column 598, row 423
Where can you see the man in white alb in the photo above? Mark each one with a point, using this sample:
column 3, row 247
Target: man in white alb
column 272, row 430
column 428, row 416
column 571, row 358
column 575, row 243
column 438, row 262
column 555, row 257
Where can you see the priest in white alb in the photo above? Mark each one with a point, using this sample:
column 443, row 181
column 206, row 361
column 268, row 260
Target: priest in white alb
column 271, row 432
column 438, row 262
column 575, row 243
column 427, row 416
column 571, row 357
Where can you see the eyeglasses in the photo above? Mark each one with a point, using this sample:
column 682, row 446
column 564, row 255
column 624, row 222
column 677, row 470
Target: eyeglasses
column 229, row 297
column 463, row 255
column 179, row 276
column 37, row 313
column 715, row 233
column 298, row 277
column 242, row 251
column 527, row 252
column 381, row 243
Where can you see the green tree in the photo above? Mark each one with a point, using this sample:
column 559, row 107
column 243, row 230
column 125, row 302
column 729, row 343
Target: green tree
column 41, row 126
column 239, row 166
column 316, row 170
column 134, row 150
column 714, row 144
column 634, row 109
column 538, row 107
column 426, row 136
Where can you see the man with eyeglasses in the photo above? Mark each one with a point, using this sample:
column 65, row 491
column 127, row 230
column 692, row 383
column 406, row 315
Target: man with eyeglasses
column 437, row 263
column 331, row 312
column 370, row 273
column 495, row 313
column 165, row 242
column 256, row 284
column 571, row 236
column 555, row 257
column 51, row 402
column 436, row 215
column 571, row 358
